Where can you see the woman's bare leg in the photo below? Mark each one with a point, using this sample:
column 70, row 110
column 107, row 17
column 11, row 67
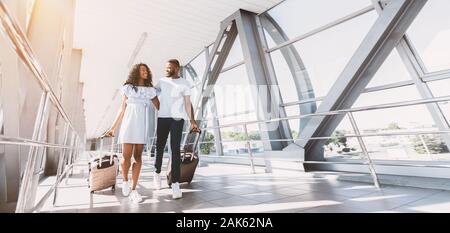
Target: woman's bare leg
column 136, row 170
column 126, row 162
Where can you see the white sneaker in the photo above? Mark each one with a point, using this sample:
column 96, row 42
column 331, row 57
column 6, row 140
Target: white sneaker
column 176, row 191
column 135, row 197
column 157, row 181
column 125, row 188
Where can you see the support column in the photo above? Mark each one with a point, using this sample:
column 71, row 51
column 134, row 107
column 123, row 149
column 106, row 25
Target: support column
column 216, row 60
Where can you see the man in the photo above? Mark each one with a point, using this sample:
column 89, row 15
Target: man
column 175, row 107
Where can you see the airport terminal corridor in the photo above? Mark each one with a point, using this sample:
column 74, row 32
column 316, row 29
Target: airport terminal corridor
column 255, row 106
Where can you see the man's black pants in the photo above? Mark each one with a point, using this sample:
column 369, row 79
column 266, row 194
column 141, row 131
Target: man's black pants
column 175, row 128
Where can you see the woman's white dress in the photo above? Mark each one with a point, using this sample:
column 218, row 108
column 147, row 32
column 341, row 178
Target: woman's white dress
column 134, row 127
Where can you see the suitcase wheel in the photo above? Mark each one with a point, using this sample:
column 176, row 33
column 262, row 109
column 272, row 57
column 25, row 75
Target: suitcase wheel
column 92, row 192
column 113, row 188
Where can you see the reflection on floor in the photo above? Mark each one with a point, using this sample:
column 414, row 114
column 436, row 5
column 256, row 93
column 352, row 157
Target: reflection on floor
column 220, row 188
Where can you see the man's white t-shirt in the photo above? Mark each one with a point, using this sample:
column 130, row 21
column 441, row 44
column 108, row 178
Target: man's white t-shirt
column 171, row 93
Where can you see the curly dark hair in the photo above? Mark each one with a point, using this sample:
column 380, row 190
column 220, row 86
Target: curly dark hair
column 135, row 76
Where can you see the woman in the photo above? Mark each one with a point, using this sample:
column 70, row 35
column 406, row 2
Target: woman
column 137, row 93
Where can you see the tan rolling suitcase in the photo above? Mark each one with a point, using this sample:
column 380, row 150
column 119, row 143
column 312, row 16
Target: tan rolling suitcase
column 103, row 171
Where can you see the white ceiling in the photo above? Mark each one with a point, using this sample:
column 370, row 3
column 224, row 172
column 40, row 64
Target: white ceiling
column 108, row 31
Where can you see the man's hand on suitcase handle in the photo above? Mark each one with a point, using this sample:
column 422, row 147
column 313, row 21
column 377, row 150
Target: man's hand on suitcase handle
column 194, row 126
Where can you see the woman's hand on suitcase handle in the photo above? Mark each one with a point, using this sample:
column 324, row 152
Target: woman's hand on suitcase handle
column 109, row 133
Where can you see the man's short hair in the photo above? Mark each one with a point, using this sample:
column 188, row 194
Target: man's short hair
column 174, row 62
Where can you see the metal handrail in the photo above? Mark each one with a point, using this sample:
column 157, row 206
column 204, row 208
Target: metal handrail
column 338, row 112
column 347, row 162
column 4, row 140
column 343, row 136
column 333, row 162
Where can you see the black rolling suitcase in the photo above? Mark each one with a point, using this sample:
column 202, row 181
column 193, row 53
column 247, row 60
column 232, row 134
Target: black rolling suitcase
column 189, row 159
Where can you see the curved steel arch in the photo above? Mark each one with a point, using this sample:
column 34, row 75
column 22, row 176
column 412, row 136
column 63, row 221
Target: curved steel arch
column 296, row 66
column 191, row 71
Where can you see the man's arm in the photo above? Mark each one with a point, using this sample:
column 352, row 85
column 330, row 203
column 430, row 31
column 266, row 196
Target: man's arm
column 190, row 111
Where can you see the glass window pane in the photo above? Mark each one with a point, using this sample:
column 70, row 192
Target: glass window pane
column 189, row 75
column 340, row 145
column 199, row 66
column 387, row 96
column 235, row 54
column 269, row 40
column 284, row 78
column 440, row 88
column 195, row 74
column 325, row 59
column 195, row 84
column 235, row 103
column 445, row 107
column 412, row 117
column 207, row 146
column 297, row 17
column 296, row 124
column 393, row 70
column 396, row 120
column 235, row 141
column 428, row 147
column 234, row 95
column 430, row 34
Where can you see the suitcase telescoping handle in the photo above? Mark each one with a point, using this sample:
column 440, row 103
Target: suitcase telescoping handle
column 111, row 150
column 199, row 131
column 195, row 142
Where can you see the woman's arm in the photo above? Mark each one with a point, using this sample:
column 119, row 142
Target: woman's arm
column 118, row 119
column 155, row 102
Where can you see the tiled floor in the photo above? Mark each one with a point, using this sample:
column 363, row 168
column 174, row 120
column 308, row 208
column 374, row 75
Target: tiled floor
column 228, row 188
